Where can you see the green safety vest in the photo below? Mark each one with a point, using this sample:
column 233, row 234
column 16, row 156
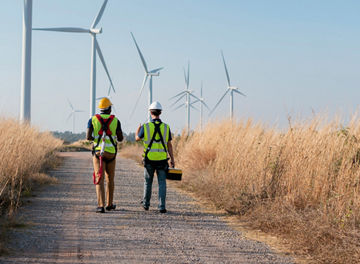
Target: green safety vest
column 109, row 147
column 157, row 151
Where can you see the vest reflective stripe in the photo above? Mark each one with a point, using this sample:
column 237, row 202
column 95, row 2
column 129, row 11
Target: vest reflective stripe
column 148, row 139
column 157, row 151
column 109, row 147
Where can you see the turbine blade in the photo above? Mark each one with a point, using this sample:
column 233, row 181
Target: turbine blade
column 79, row 111
column 195, row 97
column 181, row 97
column 178, row 107
column 103, row 63
column 99, row 15
column 183, row 92
column 142, row 88
column 65, row 29
column 72, row 108
column 156, row 70
column 140, row 54
column 237, row 91
column 222, row 97
column 226, row 70
column 67, row 119
column 193, row 107
column 197, row 100
column 186, row 80
column 202, row 101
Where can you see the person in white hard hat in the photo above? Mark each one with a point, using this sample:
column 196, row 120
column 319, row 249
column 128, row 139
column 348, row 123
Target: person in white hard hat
column 156, row 137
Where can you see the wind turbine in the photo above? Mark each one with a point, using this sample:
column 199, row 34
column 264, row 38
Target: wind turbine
column 151, row 73
column 25, row 98
column 93, row 31
column 73, row 111
column 187, row 94
column 230, row 89
column 202, row 103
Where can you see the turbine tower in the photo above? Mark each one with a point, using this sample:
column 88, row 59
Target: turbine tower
column 95, row 48
column 202, row 103
column 25, row 98
column 151, row 73
column 73, row 111
column 187, row 94
column 231, row 89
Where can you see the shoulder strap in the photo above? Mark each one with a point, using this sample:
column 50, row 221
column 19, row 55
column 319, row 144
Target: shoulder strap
column 156, row 131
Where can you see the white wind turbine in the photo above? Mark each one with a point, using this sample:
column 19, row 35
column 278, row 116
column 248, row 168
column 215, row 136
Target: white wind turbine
column 230, row 89
column 72, row 114
column 94, row 49
column 202, row 103
column 25, row 98
column 151, row 73
column 187, row 94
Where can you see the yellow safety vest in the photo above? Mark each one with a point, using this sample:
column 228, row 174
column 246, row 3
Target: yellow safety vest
column 109, row 147
column 157, row 151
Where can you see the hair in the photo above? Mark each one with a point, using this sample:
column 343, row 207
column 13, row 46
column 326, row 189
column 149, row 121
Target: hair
column 106, row 111
column 155, row 112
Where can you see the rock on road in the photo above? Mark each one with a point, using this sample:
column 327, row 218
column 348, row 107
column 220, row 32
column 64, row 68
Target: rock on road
column 62, row 226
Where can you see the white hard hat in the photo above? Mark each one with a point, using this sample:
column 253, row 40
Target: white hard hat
column 155, row 106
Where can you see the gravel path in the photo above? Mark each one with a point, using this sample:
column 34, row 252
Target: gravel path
column 62, row 226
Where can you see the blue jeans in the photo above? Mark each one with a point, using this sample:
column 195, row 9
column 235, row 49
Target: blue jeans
column 149, row 171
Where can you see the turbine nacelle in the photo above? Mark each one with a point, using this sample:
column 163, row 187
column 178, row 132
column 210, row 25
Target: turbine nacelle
column 153, row 73
column 95, row 30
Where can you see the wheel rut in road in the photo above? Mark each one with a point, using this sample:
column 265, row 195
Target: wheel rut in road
column 62, row 226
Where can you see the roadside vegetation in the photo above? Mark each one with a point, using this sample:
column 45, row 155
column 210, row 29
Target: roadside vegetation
column 26, row 154
column 301, row 185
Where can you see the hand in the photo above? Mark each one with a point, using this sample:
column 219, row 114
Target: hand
column 138, row 129
column 172, row 162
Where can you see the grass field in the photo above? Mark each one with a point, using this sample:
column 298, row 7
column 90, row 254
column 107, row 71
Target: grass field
column 301, row 185
column 26, row 153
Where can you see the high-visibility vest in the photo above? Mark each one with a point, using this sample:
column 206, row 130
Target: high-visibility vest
column 109, row 147
column 157, row 151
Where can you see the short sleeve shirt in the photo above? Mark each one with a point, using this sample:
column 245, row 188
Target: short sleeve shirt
column 141, row 132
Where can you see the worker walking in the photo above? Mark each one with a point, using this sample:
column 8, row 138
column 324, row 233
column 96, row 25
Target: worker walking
column 104, row 130
column 156, row 137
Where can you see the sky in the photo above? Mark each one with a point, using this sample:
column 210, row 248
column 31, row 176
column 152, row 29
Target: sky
column 290, row 58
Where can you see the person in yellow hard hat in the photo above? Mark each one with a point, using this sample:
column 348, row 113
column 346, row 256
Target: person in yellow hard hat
column 156, row 137
column 105, row 131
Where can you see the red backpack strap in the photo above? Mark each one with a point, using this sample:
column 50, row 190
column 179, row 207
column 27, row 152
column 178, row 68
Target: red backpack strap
column 108, row 122
column 101, row 120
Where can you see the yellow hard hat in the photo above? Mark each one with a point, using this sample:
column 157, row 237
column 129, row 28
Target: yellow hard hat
column 104, row 103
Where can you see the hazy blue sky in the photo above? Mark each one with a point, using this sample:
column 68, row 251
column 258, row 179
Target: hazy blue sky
column 288, row 57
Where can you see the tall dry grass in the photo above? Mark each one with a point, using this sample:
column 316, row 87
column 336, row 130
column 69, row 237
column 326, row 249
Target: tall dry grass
column 25, row 152
column 301, row 184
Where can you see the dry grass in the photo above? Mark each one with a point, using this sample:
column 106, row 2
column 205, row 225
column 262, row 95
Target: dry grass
column 80, row 145
column 132, row 151
column 301, row 184
column 25, row 153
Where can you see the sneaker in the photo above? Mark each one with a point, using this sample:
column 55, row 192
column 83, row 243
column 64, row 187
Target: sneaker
column 100, row 210
column 163, row 211
column 144, row 206
column 110, row 207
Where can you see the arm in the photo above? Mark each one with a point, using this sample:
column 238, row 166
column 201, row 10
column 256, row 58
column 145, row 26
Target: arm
column 119, row 133
column 170, row 150
column 137, row 138
column 89, row 132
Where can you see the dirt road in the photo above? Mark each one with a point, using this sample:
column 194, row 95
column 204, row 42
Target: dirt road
column 62, row 226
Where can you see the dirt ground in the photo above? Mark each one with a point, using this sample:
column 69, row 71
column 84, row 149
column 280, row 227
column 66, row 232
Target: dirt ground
column 62, row 226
